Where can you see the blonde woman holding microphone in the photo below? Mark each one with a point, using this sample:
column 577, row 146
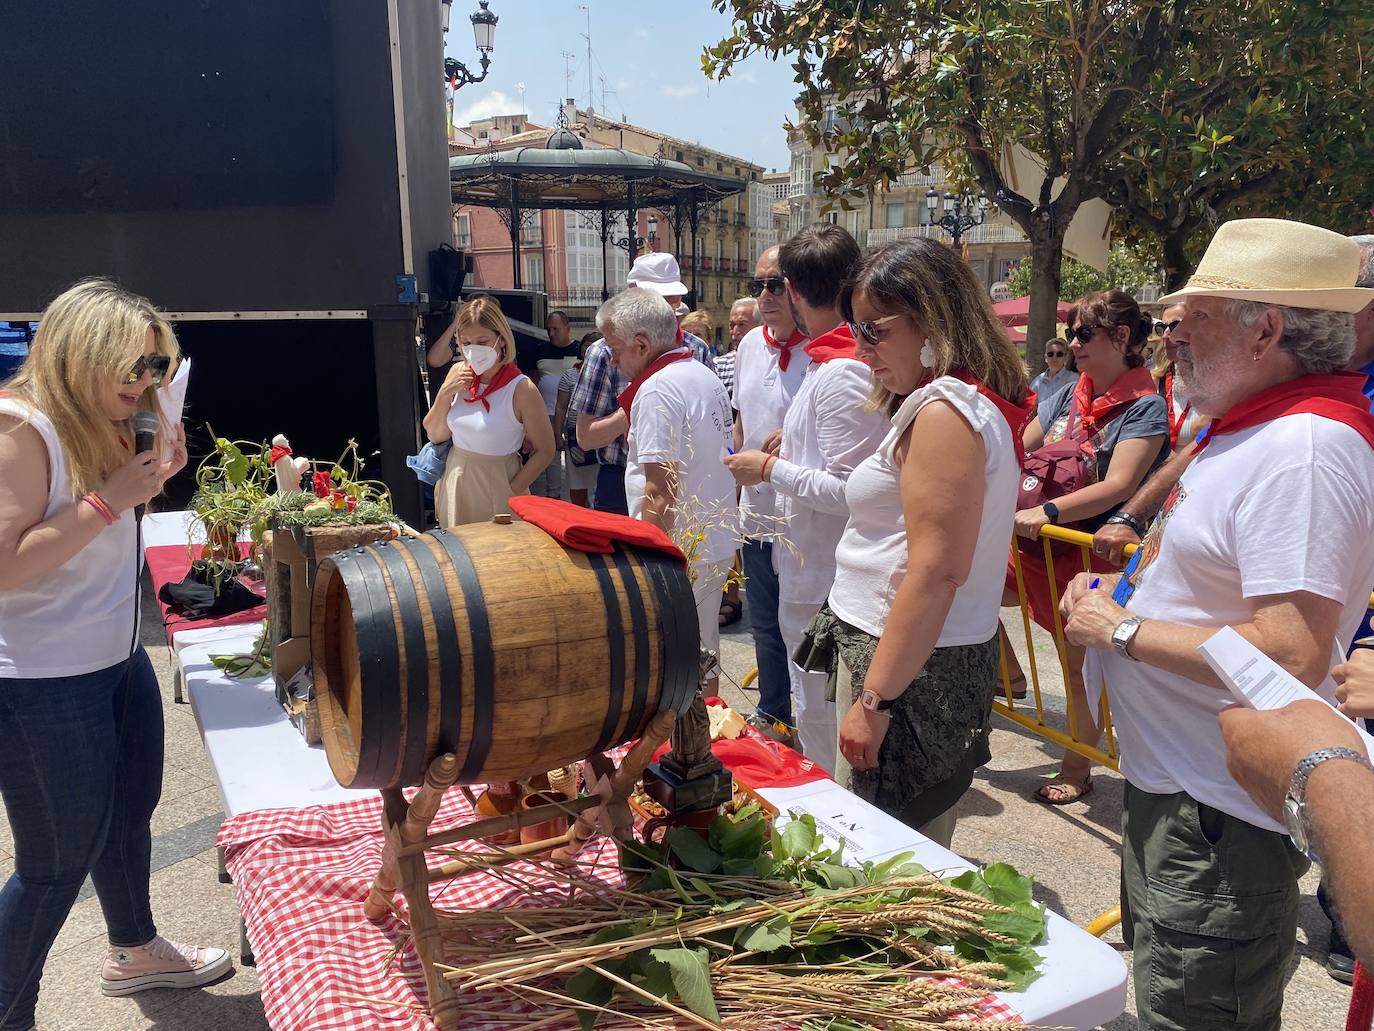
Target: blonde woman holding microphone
column 81, row 770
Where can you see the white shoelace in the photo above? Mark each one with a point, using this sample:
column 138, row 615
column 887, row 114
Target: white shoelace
column 165, row 948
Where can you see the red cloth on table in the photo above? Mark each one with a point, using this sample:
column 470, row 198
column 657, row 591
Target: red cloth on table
column 759, row 762
column 584, row 529
column 301, row 876
column 169, row 564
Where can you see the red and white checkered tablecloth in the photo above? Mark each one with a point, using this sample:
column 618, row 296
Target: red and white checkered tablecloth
column 301, row 876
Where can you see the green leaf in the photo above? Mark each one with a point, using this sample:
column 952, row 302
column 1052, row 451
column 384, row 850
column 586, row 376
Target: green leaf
column 1025, row 923
column 1007, row 886
column 765, row 937
column 741, row 867
column 691, row 848
column 836, row 877
column 745, row 839
column 704, row 888
column 590, row 987
column 691, row 978
column 657, row 979
column 799, row 837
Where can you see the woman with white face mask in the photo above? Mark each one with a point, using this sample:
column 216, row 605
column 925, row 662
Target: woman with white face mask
column 489, row 410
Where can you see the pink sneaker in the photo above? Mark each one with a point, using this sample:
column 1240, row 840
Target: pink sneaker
column 160, row 964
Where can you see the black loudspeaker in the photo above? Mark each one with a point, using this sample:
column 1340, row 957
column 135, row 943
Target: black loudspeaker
column 448, row 270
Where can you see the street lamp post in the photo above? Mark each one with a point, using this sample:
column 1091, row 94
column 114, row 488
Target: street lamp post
column 653, row 232
column 483, row 33
column 962, row 213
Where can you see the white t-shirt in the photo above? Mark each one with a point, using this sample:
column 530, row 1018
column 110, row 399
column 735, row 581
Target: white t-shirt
column 681, row 417
column 871, row 558
column 550, row 373
column 1283, row 507
column 826, row 434
column 763, row 393
column 80, row 617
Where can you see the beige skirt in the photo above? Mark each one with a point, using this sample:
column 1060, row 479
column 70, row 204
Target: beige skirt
column 474, row 487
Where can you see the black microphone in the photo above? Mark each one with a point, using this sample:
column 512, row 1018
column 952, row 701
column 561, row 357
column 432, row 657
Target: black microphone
column 145, row 436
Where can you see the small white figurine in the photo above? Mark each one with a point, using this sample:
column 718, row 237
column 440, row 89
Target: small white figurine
column 289, row 470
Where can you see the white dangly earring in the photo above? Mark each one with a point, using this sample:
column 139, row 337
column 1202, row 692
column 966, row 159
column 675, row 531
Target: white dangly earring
column 928, row 355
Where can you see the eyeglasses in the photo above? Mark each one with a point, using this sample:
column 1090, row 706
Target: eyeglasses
column 772, row 284
column 869, row 330
column 156, row 365
column 1082, row 334
column 1054, row 354
column 1166, row 327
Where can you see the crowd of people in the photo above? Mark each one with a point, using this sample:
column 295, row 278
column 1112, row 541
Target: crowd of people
column 869, row 445
column 879, row 431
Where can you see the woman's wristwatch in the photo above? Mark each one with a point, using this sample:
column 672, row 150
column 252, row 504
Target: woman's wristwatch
column 873, row 703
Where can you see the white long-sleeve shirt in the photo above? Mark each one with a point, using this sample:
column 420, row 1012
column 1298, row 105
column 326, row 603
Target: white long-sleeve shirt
column 826, row 433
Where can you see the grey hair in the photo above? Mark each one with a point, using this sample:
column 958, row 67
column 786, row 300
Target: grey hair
column 751, row 301
column 634, row 311
column 1318, row 340
column 1365, row 277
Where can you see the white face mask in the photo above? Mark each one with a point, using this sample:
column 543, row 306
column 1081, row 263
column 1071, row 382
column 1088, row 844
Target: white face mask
column 480, row 356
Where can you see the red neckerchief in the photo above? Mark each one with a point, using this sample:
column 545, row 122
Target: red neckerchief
column 277, row 454
column 1017, row 416
column 477, row 392
column 784, row 350
column 1335, row 396
column 1175, row 425
column 838, row 343
column 1094, row 412
column 627, row 396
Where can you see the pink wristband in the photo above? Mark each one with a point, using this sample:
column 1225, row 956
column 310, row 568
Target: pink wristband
column 98, row 503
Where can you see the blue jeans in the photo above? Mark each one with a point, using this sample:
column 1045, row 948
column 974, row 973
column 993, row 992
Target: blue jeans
column 610, row 490
column 80, row 773
column 761, row 599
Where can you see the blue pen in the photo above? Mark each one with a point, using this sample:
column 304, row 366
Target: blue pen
column 1097, row 580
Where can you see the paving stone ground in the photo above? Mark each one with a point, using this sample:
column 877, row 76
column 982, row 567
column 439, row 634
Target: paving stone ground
column 1071, row 852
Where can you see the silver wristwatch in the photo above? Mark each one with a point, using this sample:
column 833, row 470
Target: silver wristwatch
column 1124, row 634
column 1294, row 816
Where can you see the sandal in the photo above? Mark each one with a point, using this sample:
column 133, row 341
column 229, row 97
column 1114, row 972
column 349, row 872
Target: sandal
column 730, row 612
column 1018, row 688
column 1067, row 793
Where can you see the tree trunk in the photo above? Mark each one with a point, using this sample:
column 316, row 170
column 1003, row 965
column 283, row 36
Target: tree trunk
column 1177, row 267
column 1047, row 255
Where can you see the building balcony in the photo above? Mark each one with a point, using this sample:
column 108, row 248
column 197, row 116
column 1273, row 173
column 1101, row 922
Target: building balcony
column 531, row 236
column 463, row 241
column 987, row 233
column 740, row 218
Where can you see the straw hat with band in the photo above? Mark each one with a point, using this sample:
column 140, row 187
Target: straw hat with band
column 1274, row 261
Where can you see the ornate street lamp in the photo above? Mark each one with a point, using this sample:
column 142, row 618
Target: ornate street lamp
column 483, row 33
column 962, row 213
column 653, row 232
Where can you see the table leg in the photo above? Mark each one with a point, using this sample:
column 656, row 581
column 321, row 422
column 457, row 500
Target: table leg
column 178, row 694
column 224, row 877
column 245, row 946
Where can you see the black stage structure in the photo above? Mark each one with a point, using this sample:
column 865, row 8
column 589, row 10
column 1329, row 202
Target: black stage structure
column 274, row 176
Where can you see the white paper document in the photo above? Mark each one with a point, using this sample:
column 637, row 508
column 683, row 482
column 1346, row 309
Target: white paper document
column 171, row 400
column 1257, row 681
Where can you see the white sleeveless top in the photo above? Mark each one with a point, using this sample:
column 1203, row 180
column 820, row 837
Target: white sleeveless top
column 496, row 432
column 871, row 558
column 82, row 616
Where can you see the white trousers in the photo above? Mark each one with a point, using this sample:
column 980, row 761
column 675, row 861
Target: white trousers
column 706, row 590
column 812, row 714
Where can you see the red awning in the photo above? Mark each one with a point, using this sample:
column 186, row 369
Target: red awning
column 1016, row 312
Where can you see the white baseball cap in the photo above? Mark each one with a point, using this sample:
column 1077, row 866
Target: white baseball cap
column 657, row 271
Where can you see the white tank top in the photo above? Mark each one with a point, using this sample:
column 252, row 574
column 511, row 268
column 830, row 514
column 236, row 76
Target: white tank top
column 495, row 432
column 871, row 558
column 82, row 616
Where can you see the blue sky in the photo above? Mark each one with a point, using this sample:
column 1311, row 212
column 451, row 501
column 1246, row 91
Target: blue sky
column 649, row 54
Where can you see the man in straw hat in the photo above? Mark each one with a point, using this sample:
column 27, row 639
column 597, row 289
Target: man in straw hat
column 1270, row 531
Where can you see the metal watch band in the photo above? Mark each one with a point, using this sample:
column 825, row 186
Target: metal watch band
column 1124, row 634
column 1125, row 519
column 1298, row 785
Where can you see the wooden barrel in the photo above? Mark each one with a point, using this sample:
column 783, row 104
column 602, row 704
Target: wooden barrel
column 498, row 644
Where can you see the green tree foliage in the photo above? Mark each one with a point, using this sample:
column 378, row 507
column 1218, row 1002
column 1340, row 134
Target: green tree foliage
column 1172, row 109
column 1126, row 270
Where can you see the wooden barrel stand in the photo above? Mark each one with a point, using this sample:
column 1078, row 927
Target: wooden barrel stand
column 489, row 653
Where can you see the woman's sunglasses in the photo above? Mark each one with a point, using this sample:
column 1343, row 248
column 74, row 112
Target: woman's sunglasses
column 155, row 365
column 773, row 285
column 869, row 330
column 1082, row 334
column 1166, row 327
